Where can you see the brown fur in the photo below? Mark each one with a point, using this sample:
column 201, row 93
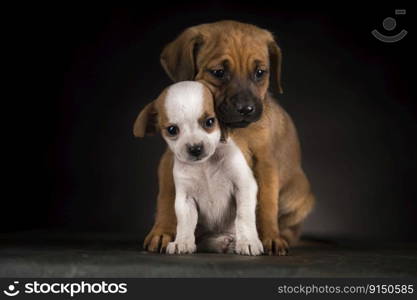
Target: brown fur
column 270, row 144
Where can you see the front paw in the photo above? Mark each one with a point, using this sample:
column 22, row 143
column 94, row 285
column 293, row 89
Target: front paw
column 181, row 247
column 275, row 245
column 248, row 246
column 157, row 240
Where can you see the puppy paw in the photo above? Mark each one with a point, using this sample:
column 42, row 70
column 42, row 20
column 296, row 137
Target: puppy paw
column 228, row 244
column 181, row 247
column 217, row 243
column 157, row 240
column 248, row 246
column 275, row 245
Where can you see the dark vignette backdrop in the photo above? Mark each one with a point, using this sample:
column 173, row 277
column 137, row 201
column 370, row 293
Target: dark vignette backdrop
column 79, row 75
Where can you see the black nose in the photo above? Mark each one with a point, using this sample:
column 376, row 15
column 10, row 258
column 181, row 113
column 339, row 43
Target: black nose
column 246, row 110
column 195, row 150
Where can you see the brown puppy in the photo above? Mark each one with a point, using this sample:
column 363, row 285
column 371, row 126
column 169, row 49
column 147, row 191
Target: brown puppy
column 236, row 61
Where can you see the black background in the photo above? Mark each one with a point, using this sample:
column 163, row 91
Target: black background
column 77, row 77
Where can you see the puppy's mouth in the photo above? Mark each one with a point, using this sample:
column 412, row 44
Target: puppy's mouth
column 189, row 159
column 238, row 124
column 198, row 159
column 236, row 121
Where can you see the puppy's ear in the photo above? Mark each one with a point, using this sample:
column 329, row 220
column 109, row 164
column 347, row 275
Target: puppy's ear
column 275, row 59
column 146, row 122
column 179, row 57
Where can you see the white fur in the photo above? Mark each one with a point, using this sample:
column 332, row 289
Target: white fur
column 184, row 106
column 184, row 102
column 215, row 197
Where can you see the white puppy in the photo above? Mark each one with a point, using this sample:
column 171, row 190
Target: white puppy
column 215, row 188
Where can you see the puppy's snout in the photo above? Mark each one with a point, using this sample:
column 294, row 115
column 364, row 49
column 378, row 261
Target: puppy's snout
column 243, row 105
column 195, row 150
column 246, row 110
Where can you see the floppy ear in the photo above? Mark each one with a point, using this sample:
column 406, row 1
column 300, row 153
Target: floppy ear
column 146, row 122
column 179, row 57
column 275, row 59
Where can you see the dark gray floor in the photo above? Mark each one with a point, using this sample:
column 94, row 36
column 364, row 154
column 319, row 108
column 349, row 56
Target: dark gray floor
column 58, row 255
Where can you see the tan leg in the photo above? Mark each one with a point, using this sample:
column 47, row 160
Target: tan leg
column 267, row 209
column 164, row 228
column 291, row 234
column 295, row 204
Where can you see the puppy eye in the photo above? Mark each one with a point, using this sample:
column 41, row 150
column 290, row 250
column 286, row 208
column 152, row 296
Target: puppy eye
column 209, row 122
column 173, row 130
column 259, row 73
column 219, row 73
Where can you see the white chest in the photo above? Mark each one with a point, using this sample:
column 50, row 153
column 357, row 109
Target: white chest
column 212, row 185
